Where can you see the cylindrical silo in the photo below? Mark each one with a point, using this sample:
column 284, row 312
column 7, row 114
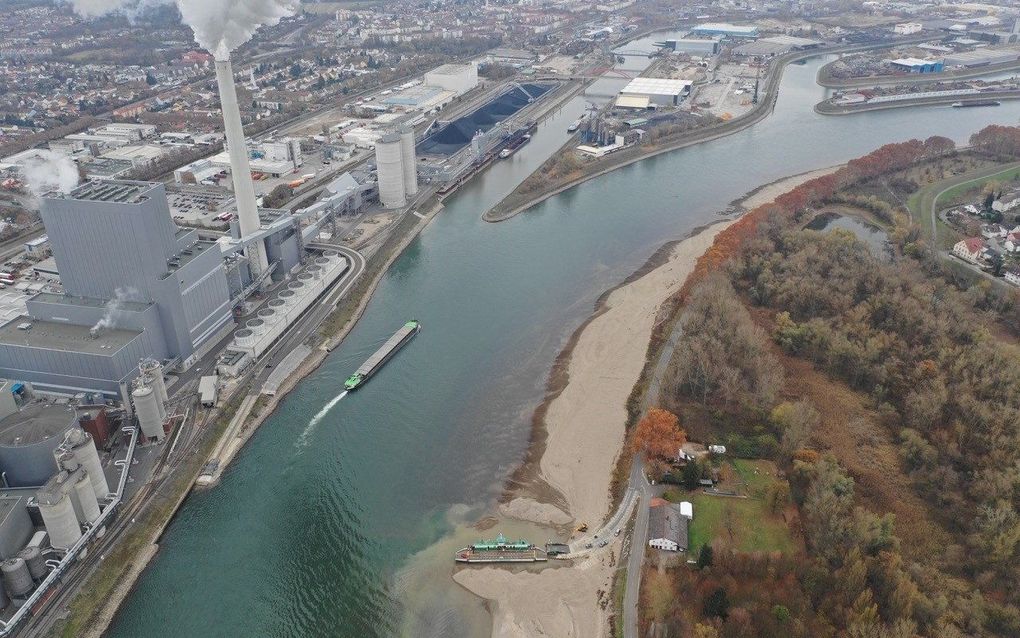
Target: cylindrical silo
column 80, row 444
column 147, row 409
column 36, row 563
column 58, row 512
column 390, row 168
column 28, row 439
column 409, row 161
column 153, row 372
column 86, row 497
column 17, row 579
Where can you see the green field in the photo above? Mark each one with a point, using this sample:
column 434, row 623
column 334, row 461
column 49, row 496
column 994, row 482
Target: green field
column 745, row 524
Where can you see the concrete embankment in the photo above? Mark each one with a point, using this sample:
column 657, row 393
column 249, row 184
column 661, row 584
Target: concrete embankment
column 828, row 108
column 513, row 204
column 826, row 79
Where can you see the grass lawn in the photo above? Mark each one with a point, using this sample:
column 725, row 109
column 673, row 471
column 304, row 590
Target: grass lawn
column 743, row 523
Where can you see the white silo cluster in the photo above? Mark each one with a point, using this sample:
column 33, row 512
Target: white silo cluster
column 151, row 374
column 270, row 322
column 396, row 168
column 67, row 502
column 78, row 449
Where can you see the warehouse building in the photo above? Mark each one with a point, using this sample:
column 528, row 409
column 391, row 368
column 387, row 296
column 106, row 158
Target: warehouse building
column 725, row 30
column 643, row 93
column 702, row 47
column 983, row 57
column 458, row 78
column 917, row 65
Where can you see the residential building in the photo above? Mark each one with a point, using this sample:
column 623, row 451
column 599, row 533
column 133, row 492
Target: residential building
column 969, row 249
column 667, row 526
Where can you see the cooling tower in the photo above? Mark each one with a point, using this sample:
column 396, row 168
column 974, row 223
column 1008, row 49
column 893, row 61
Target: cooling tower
column 389, row 164
column 240, row 169
column 409, row 161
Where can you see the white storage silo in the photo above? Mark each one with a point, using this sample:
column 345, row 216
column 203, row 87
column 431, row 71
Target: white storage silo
column 409, row 161
column 86, row 495
column 58, row 515
column 17, row 579
column 152, row 370
column 36, row 562
column 390, row 169
column 147, row 409
column 82, row 447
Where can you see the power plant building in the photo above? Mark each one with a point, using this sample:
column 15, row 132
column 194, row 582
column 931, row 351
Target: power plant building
column 136, row 286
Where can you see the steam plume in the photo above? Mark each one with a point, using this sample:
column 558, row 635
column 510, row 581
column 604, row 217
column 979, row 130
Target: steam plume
column 113, row 308
column 49, row 171
column 220, row 26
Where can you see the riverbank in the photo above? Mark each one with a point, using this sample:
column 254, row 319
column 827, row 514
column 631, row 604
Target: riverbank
column 583, row 432
column 828, row 108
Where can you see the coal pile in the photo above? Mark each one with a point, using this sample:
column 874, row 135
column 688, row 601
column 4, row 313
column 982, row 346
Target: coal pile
column 457, row 134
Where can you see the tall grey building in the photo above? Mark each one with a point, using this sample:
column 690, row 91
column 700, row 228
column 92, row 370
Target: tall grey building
column 135, row 286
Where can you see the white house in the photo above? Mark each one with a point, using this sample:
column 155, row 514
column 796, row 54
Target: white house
column 1004, row 206
column 907, row 28
column 969, row 249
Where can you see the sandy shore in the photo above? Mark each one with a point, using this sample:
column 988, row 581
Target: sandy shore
column 772, row 190
column 586, row 428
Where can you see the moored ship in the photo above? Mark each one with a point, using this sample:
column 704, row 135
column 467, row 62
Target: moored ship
column 501, row 550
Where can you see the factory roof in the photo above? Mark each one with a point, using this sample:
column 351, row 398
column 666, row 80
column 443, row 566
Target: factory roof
column 722, row 27
column 912, row 62
column 451, row 69
column 51, row 335
column 118, row 191
column 655, row 86
column 34, row 423
column 512, row 54
column 632, row 102
column 107, row 167
column 8, row 503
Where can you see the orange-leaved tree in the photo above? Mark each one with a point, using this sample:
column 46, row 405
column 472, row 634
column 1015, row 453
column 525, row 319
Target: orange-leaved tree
column 658, row 435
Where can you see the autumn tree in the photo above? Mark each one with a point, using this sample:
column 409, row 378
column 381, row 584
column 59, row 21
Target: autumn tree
column 658, row 435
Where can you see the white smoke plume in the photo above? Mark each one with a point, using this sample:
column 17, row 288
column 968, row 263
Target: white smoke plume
column 49, row 171
column 220, row 26
column 113, row 308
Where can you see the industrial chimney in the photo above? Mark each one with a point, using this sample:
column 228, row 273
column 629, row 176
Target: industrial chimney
column 240, row 170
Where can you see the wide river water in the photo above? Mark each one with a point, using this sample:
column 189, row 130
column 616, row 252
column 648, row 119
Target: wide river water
column 339, row 518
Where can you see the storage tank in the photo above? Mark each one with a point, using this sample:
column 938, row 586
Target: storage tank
column 147, row 409
column 390, row 170
column 58, row 511
column 36, row 563
column 28, row 439
column 86, row 495
column 409, row 161
column 17, row 579
column 83, row 449
column 152, row 370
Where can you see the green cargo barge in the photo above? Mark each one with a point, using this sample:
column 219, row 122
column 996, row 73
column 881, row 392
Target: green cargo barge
column 501, row 550
column 383, row 354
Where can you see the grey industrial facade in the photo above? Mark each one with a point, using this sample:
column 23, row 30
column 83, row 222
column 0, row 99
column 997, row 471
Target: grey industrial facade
column 135, row 286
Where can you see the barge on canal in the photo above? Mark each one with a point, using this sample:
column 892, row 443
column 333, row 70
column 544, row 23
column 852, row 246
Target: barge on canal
column 501, row 550
column 383, row 354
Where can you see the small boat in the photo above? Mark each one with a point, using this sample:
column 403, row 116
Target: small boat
column 513, row 146
column 501, row 550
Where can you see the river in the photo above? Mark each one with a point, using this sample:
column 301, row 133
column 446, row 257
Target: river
column 340, row 522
